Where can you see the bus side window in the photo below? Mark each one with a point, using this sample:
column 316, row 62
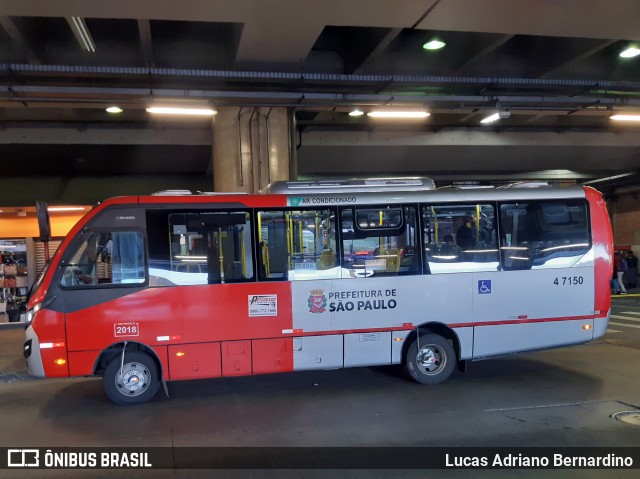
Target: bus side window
column 297, row 244
column 379, row 241
column 459, row 238
column 543, row 234
column 199, row 247
column 107, row 258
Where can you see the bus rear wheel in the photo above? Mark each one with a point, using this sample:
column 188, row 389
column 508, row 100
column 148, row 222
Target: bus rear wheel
column 430, row 359
column 137, row 382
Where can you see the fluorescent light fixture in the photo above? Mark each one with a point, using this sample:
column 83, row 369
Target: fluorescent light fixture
column 630, row 52
column 82, row 34
column 491, row 118
column 625, row 117
column 161, row 110
column 398, row 114
column 434, row 44
column 114, row 109
column 356, row 113
column 66, row 208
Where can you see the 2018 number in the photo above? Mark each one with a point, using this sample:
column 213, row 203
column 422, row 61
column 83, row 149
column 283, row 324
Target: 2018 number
column 568, row 280
column 126, row 329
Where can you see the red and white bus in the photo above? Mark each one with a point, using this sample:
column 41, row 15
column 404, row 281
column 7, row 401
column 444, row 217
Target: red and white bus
column 319, row 275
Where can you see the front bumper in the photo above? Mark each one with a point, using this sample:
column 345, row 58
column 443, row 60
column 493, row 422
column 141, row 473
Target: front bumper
column 32, row 353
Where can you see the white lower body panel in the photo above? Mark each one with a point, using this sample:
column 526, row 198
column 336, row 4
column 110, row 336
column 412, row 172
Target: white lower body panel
column 500, row 339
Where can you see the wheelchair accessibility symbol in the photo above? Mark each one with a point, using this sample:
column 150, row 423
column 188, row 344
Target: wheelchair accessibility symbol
column 484, row 286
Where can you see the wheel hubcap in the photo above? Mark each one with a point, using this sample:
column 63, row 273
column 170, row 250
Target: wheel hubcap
column 431, row 359
column 133, row 379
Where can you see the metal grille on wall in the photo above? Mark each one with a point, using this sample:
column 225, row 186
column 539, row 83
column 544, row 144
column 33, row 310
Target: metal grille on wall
column 40, row 257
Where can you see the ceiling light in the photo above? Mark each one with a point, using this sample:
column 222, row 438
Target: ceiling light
column 182, row 111
column 491, row 118
column 398, row 114
column 82, row 34
column 630, row 52
column 66, row 208
column 114, row 109
column 356, row 113
column 625, row 117
column 434, row 44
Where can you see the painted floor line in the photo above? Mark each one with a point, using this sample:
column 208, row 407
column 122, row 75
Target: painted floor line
column 613, row 331
column 625, row 325
column 626, row 318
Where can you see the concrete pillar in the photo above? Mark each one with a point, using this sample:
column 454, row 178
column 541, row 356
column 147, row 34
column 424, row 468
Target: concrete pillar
column 252, row 147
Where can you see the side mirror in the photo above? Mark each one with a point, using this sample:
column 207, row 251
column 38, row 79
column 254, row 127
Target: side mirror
column 44, row 224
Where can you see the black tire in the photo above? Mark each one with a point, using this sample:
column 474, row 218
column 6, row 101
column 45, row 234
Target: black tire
column 434, row 362
column 139, row 383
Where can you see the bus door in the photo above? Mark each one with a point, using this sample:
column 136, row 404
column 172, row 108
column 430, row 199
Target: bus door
column 205, row 263
column 380, row 285
column 299, row 246
column 461, row 256
column 210, row 256
column 299, row 250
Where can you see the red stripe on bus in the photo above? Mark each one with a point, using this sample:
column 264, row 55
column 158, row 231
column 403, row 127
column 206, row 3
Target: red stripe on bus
column 249, row 201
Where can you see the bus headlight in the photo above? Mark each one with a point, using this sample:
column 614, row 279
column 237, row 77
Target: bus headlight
column 31, row 314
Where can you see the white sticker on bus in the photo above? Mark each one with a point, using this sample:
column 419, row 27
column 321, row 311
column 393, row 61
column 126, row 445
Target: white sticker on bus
column 263, row 305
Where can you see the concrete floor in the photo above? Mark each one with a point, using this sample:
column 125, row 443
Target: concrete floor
column 557, row 398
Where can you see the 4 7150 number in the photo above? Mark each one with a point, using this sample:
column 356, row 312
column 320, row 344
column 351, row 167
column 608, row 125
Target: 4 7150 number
column 568, row 280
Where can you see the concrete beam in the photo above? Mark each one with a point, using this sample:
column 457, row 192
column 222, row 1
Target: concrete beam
column 20, row 44
column 468, row 137
column 102, row 136
column 463, row 154
column 584, row 18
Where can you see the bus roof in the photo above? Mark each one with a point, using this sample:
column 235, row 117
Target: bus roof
column 356, row 191
column 353, row 185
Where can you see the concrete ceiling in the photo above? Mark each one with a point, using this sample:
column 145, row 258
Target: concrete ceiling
column 553, row 65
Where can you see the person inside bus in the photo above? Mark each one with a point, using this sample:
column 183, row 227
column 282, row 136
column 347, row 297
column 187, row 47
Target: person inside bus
column 466, row 233
column 450, row 248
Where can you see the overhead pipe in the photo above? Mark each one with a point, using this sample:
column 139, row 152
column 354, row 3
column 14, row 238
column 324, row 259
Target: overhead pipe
column 268, row 128
column 239, row 132
column 323, row 77
column 251, row 163
column 303, row 99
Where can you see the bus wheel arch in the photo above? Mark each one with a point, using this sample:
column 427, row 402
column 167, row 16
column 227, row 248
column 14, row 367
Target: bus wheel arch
column 432, row 359
column 141, row 374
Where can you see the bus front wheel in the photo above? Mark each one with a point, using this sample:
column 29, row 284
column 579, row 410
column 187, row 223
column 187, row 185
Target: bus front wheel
column 430, row 359
column 136, row 382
